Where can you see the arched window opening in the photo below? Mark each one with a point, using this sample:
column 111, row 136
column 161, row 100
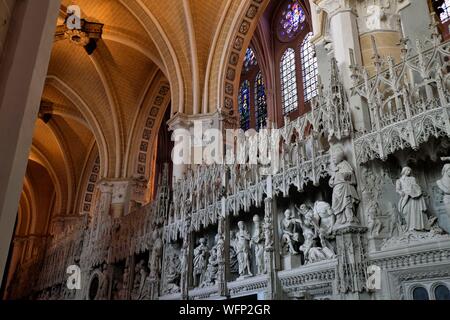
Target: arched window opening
column 260, row 102
column 309, row 68
column 249, row 60
column 420, row 293
column 244, row 105
column 289, row 99
column 441, row 292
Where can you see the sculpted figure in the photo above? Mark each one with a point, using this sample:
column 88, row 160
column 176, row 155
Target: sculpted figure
column 103, row 290
column 373, row 223
column 327, row 219
column 308, row 223
column 290, row 235
column 343, row 182
column 444, row 185
column 243, row 250
column 234, row 264
column 200, row 261
column 155, row 258
column 315, row 229
column 412, row 204
column 258, row 243
column 172, row 271
column 213, row 263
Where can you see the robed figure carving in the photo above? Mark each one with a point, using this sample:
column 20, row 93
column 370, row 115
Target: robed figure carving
column 243, row 250
column 343, row 182
column 201, row 254
column 412, row 204
column 444, row 186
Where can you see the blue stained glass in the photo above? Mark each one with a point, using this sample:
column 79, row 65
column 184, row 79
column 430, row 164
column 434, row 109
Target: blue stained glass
column 249, row 60
column 244, row 105
column 261, row 102
column 292, row 19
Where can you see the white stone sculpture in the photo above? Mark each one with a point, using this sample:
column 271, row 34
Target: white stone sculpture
column 155, row 258
column 290, row 234
column 213, row 264
column 172, row 271
column 201, row 253
column 444, row 186
column 310, row 221
column 343, row 182
column 373, row 223
column 243, row 250
column 412, row 204
column 258, row 243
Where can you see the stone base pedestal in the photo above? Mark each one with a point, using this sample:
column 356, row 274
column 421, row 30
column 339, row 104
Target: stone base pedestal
column 291, row 262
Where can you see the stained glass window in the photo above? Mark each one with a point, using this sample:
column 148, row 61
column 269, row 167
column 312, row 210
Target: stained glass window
column 292, row 20
column 445, row 14
column 309, row 68
column 244, row 105
column 260, row 102
column 289, row 99
column 249, row 60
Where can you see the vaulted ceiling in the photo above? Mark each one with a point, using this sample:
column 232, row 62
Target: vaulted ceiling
column 100, row 104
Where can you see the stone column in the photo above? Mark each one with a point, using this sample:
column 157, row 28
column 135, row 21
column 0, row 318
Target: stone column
column 22, row 75
column 352, row 262
column 181, row 135
column 270, row 258
column 186, row 258
column 344, row 44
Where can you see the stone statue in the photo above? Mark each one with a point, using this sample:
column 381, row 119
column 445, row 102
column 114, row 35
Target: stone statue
column 200, row 262
column 156, row 255
column 343, row 182
column 258, row 243
column 310, row 221
column 172, row 271
column 213, row 264
column 243, row 250
column 373, row 223
column 103, row 289
column 290, row 235
column 234, row 264
column 412, row 204
column 140, row 274
column 324, row 213
column 444, row 186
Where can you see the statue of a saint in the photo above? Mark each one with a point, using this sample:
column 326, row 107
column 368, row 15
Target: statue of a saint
column 343, row 182
column 412, row 204
column 155, row 258
column 200, row 261
column 290, row 235
column 258, row 243
column 444, row 185
column 243, row 250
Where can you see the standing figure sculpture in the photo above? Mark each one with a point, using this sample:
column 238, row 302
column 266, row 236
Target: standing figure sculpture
column 243, row 250
column 444, row 186
column 412, row 204
column 290, row 235
column 258, row 243
column 343, row 182
column 155, row 258
column 200, row 262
